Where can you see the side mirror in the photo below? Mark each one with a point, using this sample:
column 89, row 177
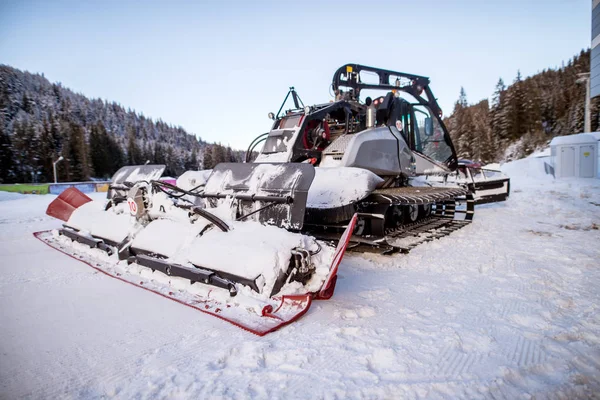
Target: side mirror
column 428, row 127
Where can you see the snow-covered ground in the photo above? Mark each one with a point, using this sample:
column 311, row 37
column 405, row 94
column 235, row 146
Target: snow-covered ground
column 508, row 307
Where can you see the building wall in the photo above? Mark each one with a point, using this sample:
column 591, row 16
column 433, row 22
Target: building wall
column 595, row 61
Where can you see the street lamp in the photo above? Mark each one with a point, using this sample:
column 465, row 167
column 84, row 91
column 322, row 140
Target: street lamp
column 54, row 166
column 584, row 78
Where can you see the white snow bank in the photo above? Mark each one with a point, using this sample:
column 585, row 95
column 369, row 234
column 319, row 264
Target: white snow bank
column 335, row 187
column 507, row 307
column 527, row 169
column 545, row 152
column 5, row 196
column 492, row 167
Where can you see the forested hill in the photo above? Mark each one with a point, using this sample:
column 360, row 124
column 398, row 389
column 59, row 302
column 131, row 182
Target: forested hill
column 523, row 116
column 39, row 121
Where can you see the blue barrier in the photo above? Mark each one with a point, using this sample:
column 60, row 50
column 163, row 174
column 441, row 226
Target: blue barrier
column 58, row 188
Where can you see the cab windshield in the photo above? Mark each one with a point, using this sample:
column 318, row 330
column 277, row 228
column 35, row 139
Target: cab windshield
column 278, row 141
column 280, row 136
column 429, row 135
column 288, row 122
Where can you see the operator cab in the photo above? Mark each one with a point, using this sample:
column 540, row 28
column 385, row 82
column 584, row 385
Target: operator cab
column 419, row 126
column 410, row 133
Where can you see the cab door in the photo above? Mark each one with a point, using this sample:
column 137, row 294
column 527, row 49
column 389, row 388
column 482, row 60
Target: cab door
column 399, row 125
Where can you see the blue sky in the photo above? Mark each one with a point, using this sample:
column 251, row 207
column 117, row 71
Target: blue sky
column 217, row 68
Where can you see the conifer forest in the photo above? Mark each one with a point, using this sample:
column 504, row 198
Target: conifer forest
column 523, row 115
column 41, row 121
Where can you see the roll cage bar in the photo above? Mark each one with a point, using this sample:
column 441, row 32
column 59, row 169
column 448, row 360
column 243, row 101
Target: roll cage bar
column 349, row 76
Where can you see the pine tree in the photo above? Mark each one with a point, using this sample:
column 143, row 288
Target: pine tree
column 134, row 156
column 99, row 151
column 462, row 99
column 461, row 126
column 6, row 156
column 207, row 161
column 191, row 163
column 147, row 153
column 26, row 147
column 115, row 154
column 219, row 154
column 26, row 104
column 482, row 148
column 517, row 125
column 77, row 154
column 47, row 153
column 170, row 162
column 159, row 156
column 498, row 120
column 229, row 156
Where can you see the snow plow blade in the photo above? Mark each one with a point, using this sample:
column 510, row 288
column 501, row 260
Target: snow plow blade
column 214, row 244
column 491, row 191
column 63, row 206
column 258, row 316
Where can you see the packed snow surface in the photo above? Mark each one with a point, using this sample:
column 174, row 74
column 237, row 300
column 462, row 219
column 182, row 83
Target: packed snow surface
column 4, row 196
column 505, row 308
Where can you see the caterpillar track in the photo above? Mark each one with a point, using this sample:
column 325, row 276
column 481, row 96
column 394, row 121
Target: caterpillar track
column 442, row 211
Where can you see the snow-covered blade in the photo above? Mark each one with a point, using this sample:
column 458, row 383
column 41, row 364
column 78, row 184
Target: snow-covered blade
column 487, row 183
column 259, row 318
column 490, row 185
column 205, row 245
column 248, row 311
column 207, row 242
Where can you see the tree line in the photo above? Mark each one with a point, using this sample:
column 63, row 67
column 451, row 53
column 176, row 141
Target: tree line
column 41, row 121
column 524, row 115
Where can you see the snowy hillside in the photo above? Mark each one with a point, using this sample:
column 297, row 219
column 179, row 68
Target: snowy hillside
column 508, row 307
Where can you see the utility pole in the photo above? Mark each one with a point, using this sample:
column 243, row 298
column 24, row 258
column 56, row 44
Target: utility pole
column 584, row 78
column 54, row 166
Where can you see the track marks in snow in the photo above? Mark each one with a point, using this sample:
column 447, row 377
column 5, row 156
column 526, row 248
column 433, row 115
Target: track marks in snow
column 525, row 352
column 492, row 311
column 455, row 363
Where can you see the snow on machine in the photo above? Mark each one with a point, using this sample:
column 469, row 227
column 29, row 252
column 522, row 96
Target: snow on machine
column 371, row 158
column 209, row 242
